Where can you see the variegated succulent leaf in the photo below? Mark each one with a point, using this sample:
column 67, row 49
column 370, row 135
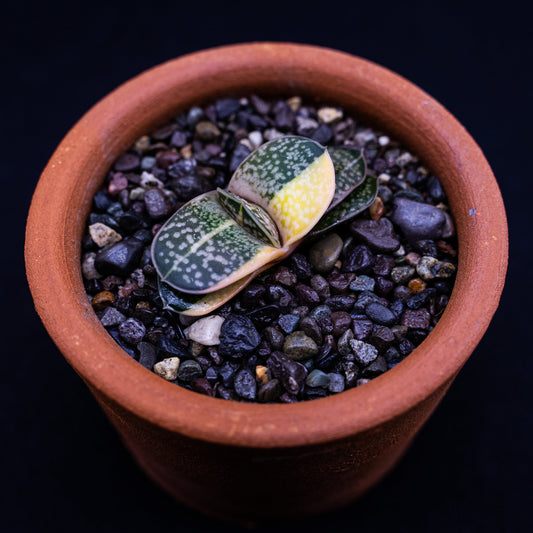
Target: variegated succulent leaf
column 251, row 216
column 350, row 171
column 201, row 249
column 357, row 201
column 293, row 179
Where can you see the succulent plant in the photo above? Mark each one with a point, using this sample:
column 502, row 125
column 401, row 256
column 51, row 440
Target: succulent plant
column 214, row 245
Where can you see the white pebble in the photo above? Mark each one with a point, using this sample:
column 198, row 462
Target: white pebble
column 364, row 136
column 256, row 138
column 137, row 194
column 248, row 144
column 295, row 103
column 405, row 158
column 205, row 331
column 272, row 133
column 327, row 115
column 87, row 267
column 168, row 368
column 384, row 178
column 149, row 180
column 383, row 140
column 103, row 235
column 304, row 123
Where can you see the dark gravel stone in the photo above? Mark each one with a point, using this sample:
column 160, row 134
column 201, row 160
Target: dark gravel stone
column 362, row 328
column 416, row 319
column 131, row 221
column 380, row 314
column 104, row 218
column 168, row 347
column 189, row 187
column 383, row 286
column 341, row 321
column 321, row 286
column 157, row 204
column 284, row 116
column 265, row 316
column 392, row 356
column 260, row 105
column 375, row 368
column 323, row 134
column 238, row 335
column 290, row 373
column 435, row 189
column 420, row 299
column 276, row 293
column 351, row 373
column 269, row 392
column 336, row 382
column 284, row 276
column 317, row 378
column 383, row 265
column 326, row 356
column 288, row 323
column 211, row 374
column 245, row 385
column 397, row 307
column 417, row 220
column 132, row 330
column 382, row 337
column 101, row 201
column 405, row 347
column 339, row 283
column 378, row 234
column 300, row 266
column 298, row 346
column 311, row 328
column 274, row 337
column 182, row 168
column 226, row 107
column 359, row 260
column 120, row 259
column 238, row 155
column 189, row 370
column 227, row 373
column 111, row 317
column 127, row 162
column 340, row 302
column 307, row 295
column 252, row 294
column 147, row 354
column 206, row 130
column 202, row 386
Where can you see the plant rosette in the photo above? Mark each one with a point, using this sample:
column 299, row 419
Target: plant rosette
column 210, row 453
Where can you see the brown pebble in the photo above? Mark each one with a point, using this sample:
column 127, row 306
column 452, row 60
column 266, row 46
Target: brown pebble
column 166, row 158
column 102, row 300
column 417, row 285
column 186, row 151
column 127, row 290
column 143, row 143
column 377, row 209
column 261, row 373
column 143, row 305
column 412, row 258
column 118, row 183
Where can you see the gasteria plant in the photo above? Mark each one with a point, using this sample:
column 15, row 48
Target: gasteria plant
column 214, row 245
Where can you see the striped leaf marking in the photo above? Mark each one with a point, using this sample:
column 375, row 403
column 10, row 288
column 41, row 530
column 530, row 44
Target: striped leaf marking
column 356, row 202
column 293, row 179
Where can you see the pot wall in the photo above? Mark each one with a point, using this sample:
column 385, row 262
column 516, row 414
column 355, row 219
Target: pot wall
column 210, row 453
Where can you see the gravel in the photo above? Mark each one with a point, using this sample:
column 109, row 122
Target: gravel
column 342, row 310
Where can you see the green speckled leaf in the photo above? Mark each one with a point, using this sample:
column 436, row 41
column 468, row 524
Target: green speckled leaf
column 350, row 171
column 292, row 178
column 356, row 202
column 251, row 216
column 201, row 248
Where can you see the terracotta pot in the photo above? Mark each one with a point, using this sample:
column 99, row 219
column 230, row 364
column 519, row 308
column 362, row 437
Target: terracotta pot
column 233, row 459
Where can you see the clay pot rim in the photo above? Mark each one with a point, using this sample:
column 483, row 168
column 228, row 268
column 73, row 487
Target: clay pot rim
column 54, row 229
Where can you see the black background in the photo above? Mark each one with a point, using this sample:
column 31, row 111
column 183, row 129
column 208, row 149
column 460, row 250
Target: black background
column 62, row 465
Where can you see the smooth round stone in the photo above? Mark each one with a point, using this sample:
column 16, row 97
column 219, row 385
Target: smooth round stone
column 189, row 370
column 336, row 382
column 364, row 353
column 378, row 234
column 168, row 368
column 206, row 331
column 380, row 314
column 402, row 274
column 245, row 384
column 324, row 254
column 207, row 131
column 132, row 330
column 418, row 220
column 317, row 378
column 298, row 346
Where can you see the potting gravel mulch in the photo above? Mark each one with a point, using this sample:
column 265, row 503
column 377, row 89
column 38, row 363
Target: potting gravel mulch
column 343, row 309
